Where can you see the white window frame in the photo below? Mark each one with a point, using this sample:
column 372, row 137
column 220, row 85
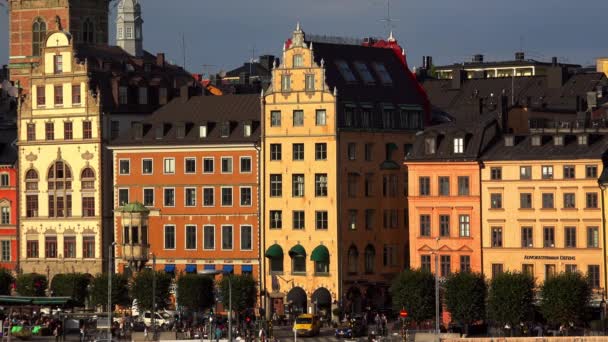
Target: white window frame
column 222, row 237
column 174, row 197
column 118, row 195
column 128, row 160
column 3, row 252
column 8, row 208
column 241, row 237
column 142, row 166
column 165, row 166
column 186, row 159
column 186, row 237
column 458, row 145
column 165, row 235
column 222, row 196
column 185, row 197
column 212, row 162
column 203, row 196
column 209, row 249
column 143, row 196
column 240, row 203
column 222, row 165
column 250, row 164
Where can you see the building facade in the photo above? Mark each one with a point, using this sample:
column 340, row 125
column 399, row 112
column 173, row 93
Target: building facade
column 334, row 226
column 194, row 167
column 8, row 199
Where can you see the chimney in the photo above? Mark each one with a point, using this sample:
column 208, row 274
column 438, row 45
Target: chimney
column 458, row 77
column 478, row 58
column 504, row 113
column 481, row 106
column 160, row 59
column 554, row 61
column 556, row 75
column 519, row 56
column 266, row 61
column 184, row 93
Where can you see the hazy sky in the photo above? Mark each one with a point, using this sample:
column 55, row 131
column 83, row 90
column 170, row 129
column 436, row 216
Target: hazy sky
column 223, row 33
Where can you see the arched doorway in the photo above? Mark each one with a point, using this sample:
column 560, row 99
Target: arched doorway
column 355, row 300
column 321, row 299
column 296, row 298
column 374, row 297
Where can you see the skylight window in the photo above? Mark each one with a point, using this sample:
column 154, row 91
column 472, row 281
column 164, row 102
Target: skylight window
column 345, row 71
column 385, row 77
column 364, row 72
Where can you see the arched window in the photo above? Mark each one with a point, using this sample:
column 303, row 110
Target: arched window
column 353, row 259
column 60, row 184
column 88, row 32
column 87, row 179
column 298, row 259
column 370, row 258
column 31, row 180
column 38, row 36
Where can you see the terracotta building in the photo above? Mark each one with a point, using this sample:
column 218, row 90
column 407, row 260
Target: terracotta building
column 186, row 187
column 339, row 116
column 8, row 198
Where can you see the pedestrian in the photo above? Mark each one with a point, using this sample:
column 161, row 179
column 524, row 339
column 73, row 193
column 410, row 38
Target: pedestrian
column 56, row 333
column 146, row 334
column 82, row 333
column 262, row 335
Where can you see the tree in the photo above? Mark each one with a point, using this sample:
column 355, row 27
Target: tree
column 120, row 290
column 510, row 298
column 414, row 291
column 195, row 291
column 565, row 298
column 465, row 296
column 243, row 291
column 72, row 285
column 6, row 282
column 141, row 289
column 31, row 284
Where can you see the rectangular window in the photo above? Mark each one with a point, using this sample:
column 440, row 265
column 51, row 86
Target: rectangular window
column 549, row 271
column 69, row 247
column 548, row 201
column 310, row 82
column 169, row 197
column 88, row 206
column 276, row 185
column 4, row 180
column 58, row 64
column 425, row 263
column 570, row 237
column 528, row 269
column 425, row 225
column 321, row 220
column 143, row 95
column 31, row 205
column 352, row 219
column 352, row 151
column 429, row 146
column 275, row 118
column 146, row 166
column 547, row 172
column 571, row 268
column 246, row 238
column 148, row 197
column 245, row 164
column 590, row 171
column 88, row 247
column 190, row 237
column 525, row 172
column 276, row 219
column 569, row 200
column 446, row 265
column 459, row 145
column 190, row 165
column 124, row 166
column 463, row 186
column 593, row 275
column 496, row 201
column 465, row 263
column 593, row 237
column 496, row 173
column 67, row 130
column 123, row 196
column 369, row 151
column 369, row 184
column 525, row 201
column 170, row 237
column 123, row 95
column 497, row 269
column 58, row 95
column 49, row 129
column 40, row 96
column 297, row 186
column 114, row 129
column 87, row 129
column 209, row 237
column 352, row 180
column 298, row 151
column 569, row 172
column 369, row 219
column 275, row 151
column 207, row 165
column 76, row 94
column 496, row 237
column 50, row 246
column 527, row 237
column 320, row 151
column 32, row 248
column 285, row 82
column 444, row 225
column 465, row 225
column 320, row 117
column 227, row 240
column 169, row 165
column 6, row 215
column 591, row 200
column 226, row 197
column 298, row 118
column 245, row 196
column 208, row 197
column 444, row 186
column 424, row 186
column 31, row 132
column 190, row 197
column 320, row 184
column 6, row 250
column 298, row 219
column 548, row 237
column 226, row 164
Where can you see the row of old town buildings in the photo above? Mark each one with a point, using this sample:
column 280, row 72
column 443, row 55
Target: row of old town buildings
column 323, row 173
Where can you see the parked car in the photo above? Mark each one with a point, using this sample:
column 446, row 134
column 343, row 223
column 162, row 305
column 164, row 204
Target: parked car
column 354, row 328
column 160, row 319
column 307, row 325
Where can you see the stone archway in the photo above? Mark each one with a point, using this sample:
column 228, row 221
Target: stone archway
column 297, row 299
column 375, row 298
column 321, row 300
column 355, row 300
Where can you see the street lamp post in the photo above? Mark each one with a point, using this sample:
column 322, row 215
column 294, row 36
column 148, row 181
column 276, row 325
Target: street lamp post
column 153, row 314
column 216, row 272
column 110, row 250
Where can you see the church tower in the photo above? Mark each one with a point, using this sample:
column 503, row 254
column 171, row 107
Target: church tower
column 129, row 33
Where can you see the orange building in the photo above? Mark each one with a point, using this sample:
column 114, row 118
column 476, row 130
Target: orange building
column 444, row 197
column 8, row 199
column 192, row 170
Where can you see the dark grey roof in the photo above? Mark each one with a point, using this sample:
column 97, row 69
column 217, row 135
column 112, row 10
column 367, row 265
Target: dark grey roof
column 490, row 64
column 8, row 150
column 253, row 69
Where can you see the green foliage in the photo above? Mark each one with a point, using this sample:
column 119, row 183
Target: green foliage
column 6, row 281
column 141, row 289
column 72, row 285
column 564, row 298
column 465, row 296
column 510, row 298
column 120, row 290
column 31, row 284
column 195, row 291
column 414, row 291
column 243, row 291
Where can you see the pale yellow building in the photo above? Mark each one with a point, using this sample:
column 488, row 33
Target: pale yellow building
column 602, row 65
column 541, row 205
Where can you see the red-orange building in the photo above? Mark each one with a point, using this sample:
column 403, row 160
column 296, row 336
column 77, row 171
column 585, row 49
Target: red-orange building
column 8, row 199
column 192, row 168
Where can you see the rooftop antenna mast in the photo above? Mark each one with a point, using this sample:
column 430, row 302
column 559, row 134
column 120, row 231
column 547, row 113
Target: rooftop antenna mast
column 252, row 60
column 388, row 20
column 184, row 50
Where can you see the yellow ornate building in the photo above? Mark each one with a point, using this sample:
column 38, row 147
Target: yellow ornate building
column 59, row 158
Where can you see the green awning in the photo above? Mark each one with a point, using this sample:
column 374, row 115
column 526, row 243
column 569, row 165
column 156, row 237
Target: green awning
column 321, row 254
column 50, row 300
column 274, row 251
column 15, row 300
column 297, row 250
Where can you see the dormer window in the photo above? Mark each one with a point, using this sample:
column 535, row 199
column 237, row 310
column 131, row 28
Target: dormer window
column 582, row 139
column 159, row 132
column 247, row 129
column 458, row 145
column 298, row 61
column 285, row 82
column 181, row 131
column 143, row 95
column 364, row 72
column 536, row 139
column 558, row 140
column 147, row 67
column 509, row 141
column 139, row 130
column 202, row 130
column 58, row 64
column 225, row 129
column 429, row 145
